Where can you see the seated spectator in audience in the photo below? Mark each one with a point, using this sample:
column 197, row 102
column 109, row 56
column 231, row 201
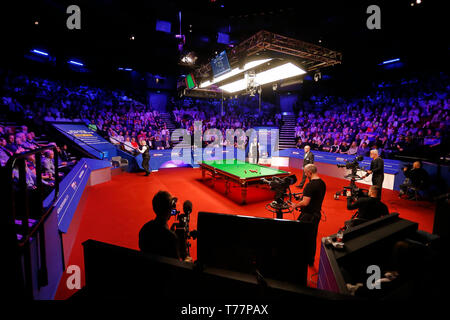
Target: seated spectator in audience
column 335, row 146
column 365, row 140
column 11, row 145
column 30, row 175
column 65, row 155
column 353, row 149
column 20, row 142
column 127, row 145
column 113, row 138
column 344, row 147
column 326, row 146
column 158, row 143
column 167, row 144
column 155, row 236
column 48, row 163
column 5, row 154
column 29, row 142
column 134, row 144
column 415, row 178
column 363, row 150
column 49, row 117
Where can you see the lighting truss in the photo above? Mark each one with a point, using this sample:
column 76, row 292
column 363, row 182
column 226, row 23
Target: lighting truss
column 309, row 56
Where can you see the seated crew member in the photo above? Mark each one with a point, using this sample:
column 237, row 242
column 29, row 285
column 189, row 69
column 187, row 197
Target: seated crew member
column 311, row 204
column 369, row 208
column 155, row 236
column 417, row 178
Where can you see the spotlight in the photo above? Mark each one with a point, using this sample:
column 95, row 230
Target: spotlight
column 36, row 23
column 132, row 37
column 189, row 58
column 418, row 1
column 317, row 76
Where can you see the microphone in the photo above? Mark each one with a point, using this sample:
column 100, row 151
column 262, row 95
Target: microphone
column 187, row 207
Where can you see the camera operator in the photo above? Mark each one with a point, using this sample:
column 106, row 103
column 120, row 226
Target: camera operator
column 308, row 158
column 155, row 236
column 416, row 177
column 311, row 204
column 376, row 170
column 369, row 208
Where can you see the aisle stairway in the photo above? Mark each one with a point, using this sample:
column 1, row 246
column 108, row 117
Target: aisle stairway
column 287, row 132
column 167, row 118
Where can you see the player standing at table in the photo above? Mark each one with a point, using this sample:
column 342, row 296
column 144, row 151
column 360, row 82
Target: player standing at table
column 144, row 150
column 254, row 150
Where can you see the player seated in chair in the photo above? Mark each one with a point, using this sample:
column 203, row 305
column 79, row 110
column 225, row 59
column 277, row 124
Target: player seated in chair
column 369, row 208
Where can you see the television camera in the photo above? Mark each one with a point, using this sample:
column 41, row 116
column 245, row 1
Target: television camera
column 354, row 166
column 181, row 227
column 282, row 189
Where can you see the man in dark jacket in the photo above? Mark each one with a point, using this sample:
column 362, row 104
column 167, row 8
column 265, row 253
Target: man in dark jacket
column 308, row 158
column 376, row 170
column 416, row 177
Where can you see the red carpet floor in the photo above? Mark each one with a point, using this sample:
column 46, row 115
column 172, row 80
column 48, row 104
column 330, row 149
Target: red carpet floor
column 115, row 211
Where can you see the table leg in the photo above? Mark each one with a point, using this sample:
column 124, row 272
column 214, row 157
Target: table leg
column 226, row 186
column 244, row 193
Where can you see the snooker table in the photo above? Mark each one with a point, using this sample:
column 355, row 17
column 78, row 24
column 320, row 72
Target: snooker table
column 239, row 172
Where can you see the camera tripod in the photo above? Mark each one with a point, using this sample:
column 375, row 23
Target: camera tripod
column 352, row 187
column 279, row 208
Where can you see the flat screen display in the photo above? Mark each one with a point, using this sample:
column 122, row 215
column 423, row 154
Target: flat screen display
column 190, row 81
column 220, row 64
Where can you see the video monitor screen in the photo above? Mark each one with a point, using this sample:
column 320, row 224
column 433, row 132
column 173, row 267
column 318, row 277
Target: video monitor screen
column 220, row 64
column 190, row 81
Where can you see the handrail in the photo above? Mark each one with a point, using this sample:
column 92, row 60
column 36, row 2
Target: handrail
column 11, row 164
column 84, row 143
column 37, row 230
column 124, row 145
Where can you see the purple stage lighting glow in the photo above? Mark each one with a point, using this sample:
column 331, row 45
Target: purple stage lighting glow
column 164, row 26
column 223, row 38
column 174, row 164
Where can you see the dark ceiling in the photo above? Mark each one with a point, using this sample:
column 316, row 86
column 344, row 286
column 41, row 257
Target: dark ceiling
column 414, row 33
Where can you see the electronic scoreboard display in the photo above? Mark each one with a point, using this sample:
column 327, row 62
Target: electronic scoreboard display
column 220, row 64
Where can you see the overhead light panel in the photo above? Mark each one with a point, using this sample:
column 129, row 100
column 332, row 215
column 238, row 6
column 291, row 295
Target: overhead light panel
column 234, row 72
column 390, row 61
column 42, row 53
column 77, row 63
column 284, row 71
